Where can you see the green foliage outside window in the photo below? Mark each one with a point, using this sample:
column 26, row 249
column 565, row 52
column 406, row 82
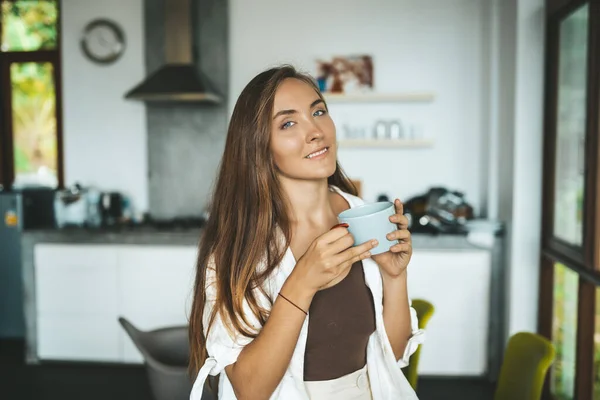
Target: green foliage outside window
column 34, row 118
column 564, row 332
column 29, row 25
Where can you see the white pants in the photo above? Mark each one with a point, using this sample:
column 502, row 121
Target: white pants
column 354, row 386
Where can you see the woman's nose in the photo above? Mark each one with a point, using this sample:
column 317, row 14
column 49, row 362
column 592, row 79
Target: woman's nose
column 314, row 133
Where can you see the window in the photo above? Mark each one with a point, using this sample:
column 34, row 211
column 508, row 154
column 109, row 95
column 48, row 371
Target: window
column 570, row 127
column 569, row 307
column 30, row 127
column 564, row 332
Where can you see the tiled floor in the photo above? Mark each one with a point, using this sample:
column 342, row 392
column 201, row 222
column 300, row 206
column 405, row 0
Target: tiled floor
column 60, row 381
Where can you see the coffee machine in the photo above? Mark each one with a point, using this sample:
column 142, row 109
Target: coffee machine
column 440, row 210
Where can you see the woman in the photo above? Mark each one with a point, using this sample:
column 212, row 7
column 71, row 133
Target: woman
column 284, row 307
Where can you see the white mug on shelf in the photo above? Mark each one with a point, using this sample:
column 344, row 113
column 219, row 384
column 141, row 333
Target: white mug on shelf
column 395, row 130
column 380, row 130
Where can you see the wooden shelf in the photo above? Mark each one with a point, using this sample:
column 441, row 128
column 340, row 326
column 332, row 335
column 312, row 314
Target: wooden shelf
column 386, row 143
column 379, row 97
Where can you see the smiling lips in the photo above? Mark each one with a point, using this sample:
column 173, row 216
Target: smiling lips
column 318, row 154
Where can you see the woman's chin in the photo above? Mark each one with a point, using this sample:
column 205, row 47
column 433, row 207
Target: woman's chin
column 324, row 173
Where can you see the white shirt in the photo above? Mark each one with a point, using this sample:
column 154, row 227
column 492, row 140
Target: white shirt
column 386, row 378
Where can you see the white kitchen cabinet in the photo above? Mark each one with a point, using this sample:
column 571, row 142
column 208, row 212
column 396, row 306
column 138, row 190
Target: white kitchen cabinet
column 156, row 281
column 155, row 286
column 78, row 338
column 457, row 283
column 76, row 280
column 81, row 290
column 76, row 301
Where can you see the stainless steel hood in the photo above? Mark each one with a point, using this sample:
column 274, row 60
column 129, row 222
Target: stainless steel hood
column 179, row 79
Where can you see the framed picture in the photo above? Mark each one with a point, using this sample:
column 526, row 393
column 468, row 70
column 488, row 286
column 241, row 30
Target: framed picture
column 345, row 74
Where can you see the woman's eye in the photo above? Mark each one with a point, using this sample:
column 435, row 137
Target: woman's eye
column 288, row 124
column 318, row 113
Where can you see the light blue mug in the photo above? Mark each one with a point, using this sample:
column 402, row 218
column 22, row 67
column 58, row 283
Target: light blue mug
column 371, row 221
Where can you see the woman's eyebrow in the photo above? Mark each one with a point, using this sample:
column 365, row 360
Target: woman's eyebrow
column 284, row 112
column 289, row 112
column 317, row 101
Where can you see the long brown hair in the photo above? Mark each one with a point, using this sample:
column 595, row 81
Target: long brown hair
column 247, row 206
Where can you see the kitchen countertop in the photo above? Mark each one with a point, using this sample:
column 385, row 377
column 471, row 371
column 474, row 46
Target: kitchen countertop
column 131, row 236
column 190, row 237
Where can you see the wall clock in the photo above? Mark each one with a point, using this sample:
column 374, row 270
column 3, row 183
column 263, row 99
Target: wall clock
column 103, row 41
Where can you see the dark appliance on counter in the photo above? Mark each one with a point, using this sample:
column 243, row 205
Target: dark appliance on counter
column 111, row 208
column 20, row 210
column 438, row 211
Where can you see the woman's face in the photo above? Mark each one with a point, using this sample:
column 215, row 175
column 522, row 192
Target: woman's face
column 303, row 140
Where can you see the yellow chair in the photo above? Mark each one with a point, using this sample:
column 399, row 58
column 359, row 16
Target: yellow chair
column 424, row 311
column 526, row 361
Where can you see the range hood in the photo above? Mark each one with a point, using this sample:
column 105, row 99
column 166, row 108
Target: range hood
column 179, row 79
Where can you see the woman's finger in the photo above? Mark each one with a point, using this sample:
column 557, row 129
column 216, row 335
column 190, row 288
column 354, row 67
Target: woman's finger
column 401, row 248
column 333, row 234
column 401, row 234
column 355, row 252
column 399, row 206
column 399, row 220
column 340, row 244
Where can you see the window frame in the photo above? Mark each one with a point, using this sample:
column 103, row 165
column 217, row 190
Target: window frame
column 584, row 259
column 7, row 167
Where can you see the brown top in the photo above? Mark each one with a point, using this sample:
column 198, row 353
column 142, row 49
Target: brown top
column 341, row 320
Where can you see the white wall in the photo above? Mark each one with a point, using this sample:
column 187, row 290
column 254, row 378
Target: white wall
column 527, row 161
column 515, row 190
column 426, row 45
column 104, row 135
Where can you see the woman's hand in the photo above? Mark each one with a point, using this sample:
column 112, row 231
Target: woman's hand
column 328, row 257
column 393, row 263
